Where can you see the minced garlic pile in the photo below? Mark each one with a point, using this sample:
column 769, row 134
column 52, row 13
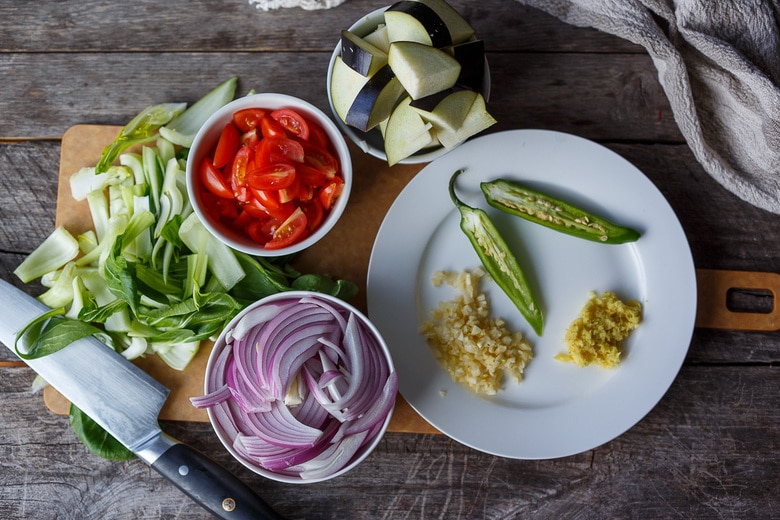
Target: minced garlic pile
column 596, row 336
column 475, row 349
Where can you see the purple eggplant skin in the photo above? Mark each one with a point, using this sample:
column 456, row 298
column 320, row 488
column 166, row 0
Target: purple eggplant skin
column 360, row 111
column 354, row 56
column 434, row 25
column 471, row 56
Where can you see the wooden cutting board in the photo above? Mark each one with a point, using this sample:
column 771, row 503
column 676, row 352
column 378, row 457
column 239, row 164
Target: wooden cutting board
column 345, row 253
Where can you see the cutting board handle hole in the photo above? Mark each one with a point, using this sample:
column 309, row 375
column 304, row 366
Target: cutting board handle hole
column 757, row 301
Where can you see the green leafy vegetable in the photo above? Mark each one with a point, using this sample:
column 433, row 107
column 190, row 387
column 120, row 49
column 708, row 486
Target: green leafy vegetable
column 182, row 129
column 95, row 438
column 49, row 333
column 59, row 248
column 142, row 129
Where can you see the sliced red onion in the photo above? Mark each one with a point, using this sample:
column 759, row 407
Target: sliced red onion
column 379, row 410
column 332, row 459
column 280, row 427
column 299, row 387
column 219, row 395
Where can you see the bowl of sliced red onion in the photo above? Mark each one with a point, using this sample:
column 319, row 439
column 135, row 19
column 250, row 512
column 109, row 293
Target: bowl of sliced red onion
column 299, row 387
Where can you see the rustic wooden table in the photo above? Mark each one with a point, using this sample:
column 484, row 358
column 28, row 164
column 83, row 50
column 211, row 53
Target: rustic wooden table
column 708, row 450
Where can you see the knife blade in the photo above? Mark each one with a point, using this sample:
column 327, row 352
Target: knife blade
column 126, row 402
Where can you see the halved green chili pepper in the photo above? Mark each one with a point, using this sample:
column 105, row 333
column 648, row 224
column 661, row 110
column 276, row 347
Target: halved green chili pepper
column 497, row 258
column 554, row 213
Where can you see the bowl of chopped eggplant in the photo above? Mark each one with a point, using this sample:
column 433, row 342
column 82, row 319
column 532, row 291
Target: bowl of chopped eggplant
column 409, row 82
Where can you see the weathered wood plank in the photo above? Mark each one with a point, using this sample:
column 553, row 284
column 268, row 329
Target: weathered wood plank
column 701, row 452
column 28, row 194
column 203, row 26
column 603, row 98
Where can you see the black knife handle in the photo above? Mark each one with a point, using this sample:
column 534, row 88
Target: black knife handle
column 211, row 485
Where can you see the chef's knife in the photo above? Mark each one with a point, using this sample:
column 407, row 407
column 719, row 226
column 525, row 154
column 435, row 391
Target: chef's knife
column 126, row 401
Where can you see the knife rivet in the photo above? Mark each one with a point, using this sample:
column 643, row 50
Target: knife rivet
column 183, row 470
column 228, row 504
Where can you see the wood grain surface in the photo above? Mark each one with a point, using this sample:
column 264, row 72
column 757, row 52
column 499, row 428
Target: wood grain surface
column 708, row 450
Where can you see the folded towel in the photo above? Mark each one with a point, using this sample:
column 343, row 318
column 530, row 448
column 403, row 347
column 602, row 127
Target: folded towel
column 719, row 63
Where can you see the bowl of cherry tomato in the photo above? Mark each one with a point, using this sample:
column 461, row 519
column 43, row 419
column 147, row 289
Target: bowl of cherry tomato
column 269, row 174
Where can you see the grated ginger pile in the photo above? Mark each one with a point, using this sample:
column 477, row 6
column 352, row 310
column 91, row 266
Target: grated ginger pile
column 596, row 336
column 475, row 349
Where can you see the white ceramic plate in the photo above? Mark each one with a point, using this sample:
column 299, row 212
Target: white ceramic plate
column 559, row 409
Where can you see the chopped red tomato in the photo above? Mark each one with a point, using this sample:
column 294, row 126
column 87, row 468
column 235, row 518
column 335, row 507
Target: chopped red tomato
column 279, row 176
column 314, row 214
column 271, row 128
column 270, row 205
column 260, row 231
column 292, row 192
column 213, row 180
column 242, row 221
column 292, row 230
column 248, row 118
column 317, row 135
column 292, row 122
column 276, row 150
column 310, row 176
column 226, row 210
column 272, row 177
column 227, row 145
column 250, row 138
column 330, row 192
column 240, row 167
column 321, row 159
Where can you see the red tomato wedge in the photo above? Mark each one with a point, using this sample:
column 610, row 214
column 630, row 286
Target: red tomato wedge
column 242, row 221
column 213, row 180
column 240, row 167
column 292, row 192
column 250, row 138
column 270, row 205
column 314, row 214
column 226, row 210
column 310, row 176
column 227, row 146
column 292, row 230
column 248, row 118
column 331, row 192
column 279, row 150
column 292, row 122
column 321, row 159
column 260, row 231
column 271, row 128
column 318, row 136
column 272, row 177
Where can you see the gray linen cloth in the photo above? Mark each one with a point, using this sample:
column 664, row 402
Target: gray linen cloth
column 719, row 63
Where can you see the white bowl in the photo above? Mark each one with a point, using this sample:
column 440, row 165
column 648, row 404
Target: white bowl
column 371, row 142
column 368, row 445
column 206, row 140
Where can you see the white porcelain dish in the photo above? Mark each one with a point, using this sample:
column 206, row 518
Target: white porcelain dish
column 226, row 437
column 559, row 409
column 206, row 140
